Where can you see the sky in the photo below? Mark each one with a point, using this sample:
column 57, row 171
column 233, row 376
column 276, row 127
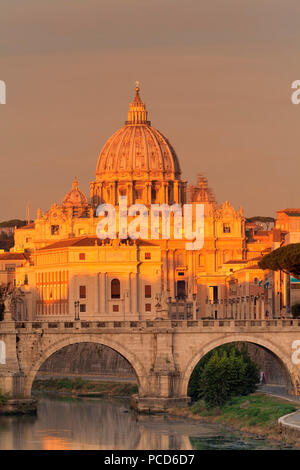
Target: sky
column 215, row 76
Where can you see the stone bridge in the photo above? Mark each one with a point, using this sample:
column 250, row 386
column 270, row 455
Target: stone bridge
column 162, row 353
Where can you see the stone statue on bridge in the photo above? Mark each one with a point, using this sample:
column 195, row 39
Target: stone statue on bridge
column 162, row 306
column 8, row 302
column 11, row 300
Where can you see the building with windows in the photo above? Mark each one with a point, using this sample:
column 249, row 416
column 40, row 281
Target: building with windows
column 71, row 271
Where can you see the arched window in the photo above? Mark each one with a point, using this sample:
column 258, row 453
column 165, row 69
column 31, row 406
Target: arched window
column 115, row 289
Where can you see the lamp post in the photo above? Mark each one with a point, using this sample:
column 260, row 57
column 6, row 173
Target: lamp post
column 76, row 308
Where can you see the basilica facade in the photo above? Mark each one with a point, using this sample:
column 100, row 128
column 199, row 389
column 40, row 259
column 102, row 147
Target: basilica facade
column 68, row 272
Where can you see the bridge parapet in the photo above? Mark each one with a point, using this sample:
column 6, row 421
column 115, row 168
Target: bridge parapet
column 157, row 325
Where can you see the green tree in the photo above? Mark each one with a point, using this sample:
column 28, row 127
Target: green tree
column 14, row 223
column 224, row 372
column 286, row 259
column 6, row 241
column 214, row 381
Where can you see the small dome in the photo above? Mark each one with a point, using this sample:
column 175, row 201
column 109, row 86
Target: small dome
column 75, row 197
column 137, row 150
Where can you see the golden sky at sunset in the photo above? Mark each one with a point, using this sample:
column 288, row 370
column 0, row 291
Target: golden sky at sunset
column 216, row 78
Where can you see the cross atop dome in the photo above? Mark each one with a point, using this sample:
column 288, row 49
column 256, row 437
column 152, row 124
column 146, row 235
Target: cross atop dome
column 137, row 113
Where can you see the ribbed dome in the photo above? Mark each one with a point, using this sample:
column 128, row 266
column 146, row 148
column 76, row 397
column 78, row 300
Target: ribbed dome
column 137, row 150
column 75, row 197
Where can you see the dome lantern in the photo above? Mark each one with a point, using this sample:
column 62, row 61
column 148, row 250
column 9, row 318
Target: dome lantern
column 137, row 113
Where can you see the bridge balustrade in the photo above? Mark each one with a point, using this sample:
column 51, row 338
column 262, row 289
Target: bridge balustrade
column 53, row 325
column 255, row 322
column 147, row 324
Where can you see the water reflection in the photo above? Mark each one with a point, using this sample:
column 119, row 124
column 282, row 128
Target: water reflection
column 68, row 424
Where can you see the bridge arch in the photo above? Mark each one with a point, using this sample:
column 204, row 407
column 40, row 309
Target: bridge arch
column 75, row 339
column 281, row 355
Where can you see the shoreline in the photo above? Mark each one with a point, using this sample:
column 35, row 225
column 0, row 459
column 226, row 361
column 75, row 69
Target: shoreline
column 78, row 388
column 277, row 433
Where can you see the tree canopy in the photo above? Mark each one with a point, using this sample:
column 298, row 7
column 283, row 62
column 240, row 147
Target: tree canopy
column 13, row 223
column 285, row 258
column 225, row 372
column 262, row 221
column 260, row 218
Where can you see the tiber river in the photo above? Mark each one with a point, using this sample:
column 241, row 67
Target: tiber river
column 91, row 424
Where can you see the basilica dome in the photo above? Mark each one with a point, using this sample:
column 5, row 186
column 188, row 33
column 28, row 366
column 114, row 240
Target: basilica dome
column 137, row 151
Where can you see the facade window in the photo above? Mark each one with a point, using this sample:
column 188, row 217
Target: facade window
column 213, row 294
column 82, row 308
column 115, row 289
column 54, row 229
column 200, row 260
column 82, row 256
column 138, row 194
column 148, row 292
column 170, row 194
column 115, row 308
column 147, row 255
column 82, row 292
column 226, row 228
column 181, row 287
column 148, row 307
column 153, row 195
column 10, row 267
column 26, row 279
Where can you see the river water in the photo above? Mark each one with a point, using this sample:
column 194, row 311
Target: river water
column 91, row 424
